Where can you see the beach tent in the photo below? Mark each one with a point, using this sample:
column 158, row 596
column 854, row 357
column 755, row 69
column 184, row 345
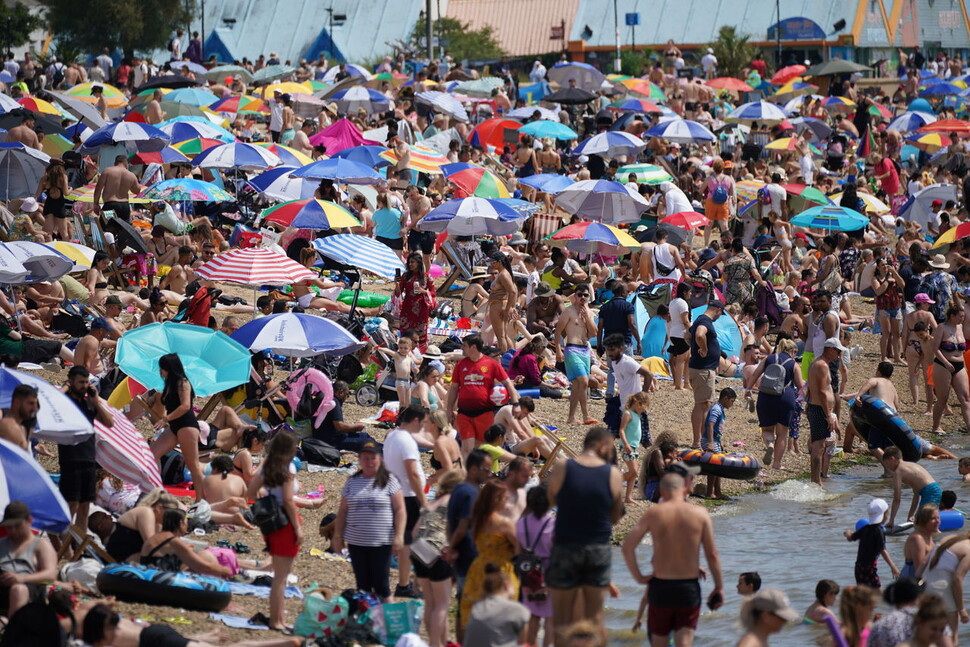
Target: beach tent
column 340, row 135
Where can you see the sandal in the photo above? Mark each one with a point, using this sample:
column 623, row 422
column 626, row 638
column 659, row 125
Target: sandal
column 259, row 618
column 241, row 548
column 223, row 543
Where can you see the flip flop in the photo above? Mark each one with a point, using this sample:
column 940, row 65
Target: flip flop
column 591, row 422
column 242, row 548
column 259, row 618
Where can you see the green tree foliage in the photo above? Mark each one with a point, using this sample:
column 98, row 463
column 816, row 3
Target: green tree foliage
column 460, row 40
column 17, row 23
column 733, row 51
column 132, row 25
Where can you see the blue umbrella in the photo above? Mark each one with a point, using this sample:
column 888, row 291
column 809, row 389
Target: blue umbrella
column 237, row 155
column 819, row 128
column 23, row 479
column 339, row 170
column 473, row 216
column 58, row 418
column 585, row 75
column 278, row 184
column 939, row 89
column 366, row 155
column 681, row 131
column 213, row 361
column 297, row 335
column 611, row 144
column 609, row 202
column 149, row 138
column 831, row 217
column 361, row 252
column 182, row 129
column 761, row 111
column 547, row 182
column 552, row 129
column 911, row 120
column 192, row 96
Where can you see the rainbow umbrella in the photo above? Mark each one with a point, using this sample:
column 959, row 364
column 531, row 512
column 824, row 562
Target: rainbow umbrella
column 747, row 190
column 192, row 147
column 316, row 86
column 167, row 155
column 839, row 104
column 873, row 204
column 395, row 80
column 145, row 96
column 422, row 159
column 289, row 156
column 791, row 90
column 593, row 238
column 39, row 105
column 56, row 145
column 788, row 144
column 310, row 214
column 953, row 234
column 492, row 133
column 86, row 194
column 475, row 180
column 728, row 83
column 929, row 142
column 113, row 97
column 686, row 220
column 881, row 111
column 126, row 391
column 807, row 193
column 645, row 89
column 634, row 105
column 185, row 189
column 646, row 174
column 242, row 104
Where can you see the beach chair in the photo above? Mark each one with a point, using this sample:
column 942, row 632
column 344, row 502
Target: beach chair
column 83, row 544
column 561, row 446
column 461, row 269
column 542, row 224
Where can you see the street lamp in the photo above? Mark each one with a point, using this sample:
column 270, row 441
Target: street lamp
column 617, row 63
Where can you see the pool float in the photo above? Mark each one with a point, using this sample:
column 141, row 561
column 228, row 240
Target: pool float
column 949, row 520
column 869, row 411
column 136, row 583
column 741, row 467
column 365, row 300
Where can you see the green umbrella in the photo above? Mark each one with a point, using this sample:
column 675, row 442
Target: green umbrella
column 836, row 66
column 646, row 173
column 272, row 73
column 221, row 72
column 480, row 88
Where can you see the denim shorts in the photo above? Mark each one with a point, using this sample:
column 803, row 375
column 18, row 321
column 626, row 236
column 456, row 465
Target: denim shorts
column 574, row 566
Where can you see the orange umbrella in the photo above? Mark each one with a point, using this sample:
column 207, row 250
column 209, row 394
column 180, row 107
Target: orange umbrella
column 728, row 83
column 492, row 132
column 786, row 74
column 947, row 126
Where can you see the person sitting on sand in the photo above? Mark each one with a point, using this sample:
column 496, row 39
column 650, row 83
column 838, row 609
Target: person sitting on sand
column 227, row 496
column 925, row 488
column 167, row 551
column 826, row 594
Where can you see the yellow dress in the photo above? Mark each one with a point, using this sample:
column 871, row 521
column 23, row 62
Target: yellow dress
column 495, row 548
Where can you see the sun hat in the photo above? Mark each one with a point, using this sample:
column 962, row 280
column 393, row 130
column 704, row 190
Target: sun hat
column 833, row 342
column 876, row 510
column 771, row 601
column 938, row 261
column 518, row 238
column 14, row 513
column 29, row 205
column 543, row 289
column 479, row 272
column 923, row 297
column 433, row 352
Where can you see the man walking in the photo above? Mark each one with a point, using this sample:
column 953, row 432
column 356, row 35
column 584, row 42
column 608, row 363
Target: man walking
column 705, row 356
column 823, row 421
column 571, row 341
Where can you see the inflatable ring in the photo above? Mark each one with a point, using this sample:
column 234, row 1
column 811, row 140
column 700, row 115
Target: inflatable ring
column 135, row 583
column 873, row 412
column 741, row 467
column 366, row 299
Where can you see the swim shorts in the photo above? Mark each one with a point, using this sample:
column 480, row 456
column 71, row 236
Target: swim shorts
column 818, row 422
column 930, row 493
column 577, row 361
column 678, row 346
column 574, row 566
column 121, row 209
column 474, row 426
column 867, row 575
column 161, row 636
column 674, row 604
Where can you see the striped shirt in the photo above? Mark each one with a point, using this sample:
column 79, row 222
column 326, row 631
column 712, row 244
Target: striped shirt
column 370, row 515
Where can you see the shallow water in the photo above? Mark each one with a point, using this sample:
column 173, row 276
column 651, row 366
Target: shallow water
column 791, row 535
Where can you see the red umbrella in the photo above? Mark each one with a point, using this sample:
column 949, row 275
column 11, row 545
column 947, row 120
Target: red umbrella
column 947, row 126
column 686, row 220
column 492, row 133
column 254, row 266
column 786, row 74
column 728, row 83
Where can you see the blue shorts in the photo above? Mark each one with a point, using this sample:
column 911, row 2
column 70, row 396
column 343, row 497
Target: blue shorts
column 577, row 361
column 931, row 493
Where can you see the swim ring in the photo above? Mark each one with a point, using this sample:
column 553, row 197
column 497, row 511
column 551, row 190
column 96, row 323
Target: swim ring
column 136, row 583
column 741, row 467
column 869, row 411
column 366, row 299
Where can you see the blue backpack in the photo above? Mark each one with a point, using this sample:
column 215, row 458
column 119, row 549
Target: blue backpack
column 720, row 195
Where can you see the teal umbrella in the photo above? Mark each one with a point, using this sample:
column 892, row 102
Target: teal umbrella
column 213, row 361
column 552, row 129
column 831, row 217
column 271, row 73
column 218, row 74
column 480, row 88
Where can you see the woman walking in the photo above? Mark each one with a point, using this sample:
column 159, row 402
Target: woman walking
column 888, row 286
column 501, row 300
column 416, row 291
column 54, row 183
column 948, row 346
column 534, row 531
column 183, row 426
column 918, row 328
column 777, row 397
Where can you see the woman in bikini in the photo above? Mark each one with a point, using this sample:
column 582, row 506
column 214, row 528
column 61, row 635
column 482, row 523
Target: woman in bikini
column 308, row 299
column 501, row 300
column 54, row 183
column 949, row 371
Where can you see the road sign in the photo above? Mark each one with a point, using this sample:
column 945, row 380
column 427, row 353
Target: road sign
column 632, row 19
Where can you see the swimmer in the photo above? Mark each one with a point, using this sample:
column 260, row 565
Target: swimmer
column 826, row 594
column 925, row 488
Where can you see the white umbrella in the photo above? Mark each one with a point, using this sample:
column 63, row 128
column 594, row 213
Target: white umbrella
column 526, row 112
column 609, row 202
column 44, row 263
column 21, row 169
column 444, row 103
column 353, row 99
column 84, row 111
column 58, row 419
column 278, row 184
column 919, row 207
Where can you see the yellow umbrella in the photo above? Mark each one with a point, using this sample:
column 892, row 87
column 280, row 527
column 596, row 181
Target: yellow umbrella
column 873, row 204
column 113, row 97
column 56, row 145
column 82, row 255
column 286, row 87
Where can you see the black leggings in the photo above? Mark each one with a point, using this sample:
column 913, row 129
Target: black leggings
column 372, row 568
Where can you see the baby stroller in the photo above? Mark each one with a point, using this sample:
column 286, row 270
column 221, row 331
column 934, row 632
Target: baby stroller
column 377, row 383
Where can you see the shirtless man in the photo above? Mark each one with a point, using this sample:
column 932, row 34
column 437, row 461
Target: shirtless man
column 576, row 326
column 419, row 241
column 21, row 418
column 520, row 472
column 301, row 140
column 692, row 96
column 795, row 323
column 112, row 310
column 925, row 488
column 88, row 350
column 181, row 273
column 881, row 387
column 758, row 335
column 679, row 530
column 820, row 412
column 289, row 120
column 153, row 111
column 24, row 133
column 544, row 310
column 645, row 262
column 113, row 188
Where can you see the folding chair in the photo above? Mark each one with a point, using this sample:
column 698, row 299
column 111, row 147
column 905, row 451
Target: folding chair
column 461, row 270
column 542, row 224
column 561, row 446
column 84, row 543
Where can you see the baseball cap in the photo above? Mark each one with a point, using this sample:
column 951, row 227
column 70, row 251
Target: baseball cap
column 774, row 602
column 113, row 300
column 716, row 303
column 371, row 447
column 100, row 322
column 14, row 513
column 936, row 204
column 833, row 342
column 923, row 297
column 876, row 510
column 683, row 469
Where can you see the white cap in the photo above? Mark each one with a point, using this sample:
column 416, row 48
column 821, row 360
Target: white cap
column 710, row 50
column 833, row 342
column 876, row 511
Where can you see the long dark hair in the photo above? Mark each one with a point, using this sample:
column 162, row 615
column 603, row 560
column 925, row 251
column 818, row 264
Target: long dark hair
column 173, row 367
column 503, row 259
column 279, row 453
column 490, row 500
column 222, row 465
column 537, row 501
column 419, row 275
column 382, row 477
column 253, row 435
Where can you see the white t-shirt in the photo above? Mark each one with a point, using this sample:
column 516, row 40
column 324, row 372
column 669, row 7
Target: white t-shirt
column 275, row 115
column 778, row 197
column 676, row 326
column 709, row 62
column 628, row 380
column 676, row 200
column 400, row 446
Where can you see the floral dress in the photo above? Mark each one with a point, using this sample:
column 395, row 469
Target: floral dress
column 19, row 230
column 738, row 286
column 416, row 308
column 495, row 548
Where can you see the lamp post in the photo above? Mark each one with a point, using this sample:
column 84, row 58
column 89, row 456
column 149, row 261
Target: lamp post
column 330, row 30
column 203, row 30
column 778, row 31
column 617, row 63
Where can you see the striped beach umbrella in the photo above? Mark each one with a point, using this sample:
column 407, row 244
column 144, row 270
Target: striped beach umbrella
column 86, row 194
column 167, row 155
column 757, row 111
column 360, row 98
column 277, row 184
column 634, row 105
column 881, row 111
column 288, row 156
column 584, row 75
column 681, row 131
column 241, row 104
column 422, row 159
column 81, row 255
column 609, row 202
column 254, row 266
column 612, row 143
column 830, row 217
column 791, row 90
column 310, row 214
column 123, row 452
column 646, row 174
column 237, row 155
column 839, row 104
column 644, row 88
column 873, row 204
column 747, row 190
column 182, row 129
column 113, row 97
column 186, row 190
column 929, row 142
column 953, row 234
column 295, row 334
column 475, row 180
column 39, row 105
column 352, row 68
column 911, row 120
column 362, row 252
column 267, row 91
column 940, row 90
column 192, row 147
column 593, row 238
column 148, row 138
column 473, row 217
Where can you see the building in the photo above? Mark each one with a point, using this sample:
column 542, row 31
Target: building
column 522, row 27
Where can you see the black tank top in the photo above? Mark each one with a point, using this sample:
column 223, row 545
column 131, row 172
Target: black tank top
column 584, row 503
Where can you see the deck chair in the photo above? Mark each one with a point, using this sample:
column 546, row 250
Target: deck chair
column 99, row 242
column 561, row 446
column 213, row 403
column 83, row 544
column 461, row 270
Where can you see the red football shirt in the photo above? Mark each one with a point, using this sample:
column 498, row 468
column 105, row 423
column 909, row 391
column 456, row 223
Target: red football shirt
column 475, row 381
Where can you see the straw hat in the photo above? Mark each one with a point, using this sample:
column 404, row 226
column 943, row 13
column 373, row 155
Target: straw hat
column 939, row 262
column 479, row 273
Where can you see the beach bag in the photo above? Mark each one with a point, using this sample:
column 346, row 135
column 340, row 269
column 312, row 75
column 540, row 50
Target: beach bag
column 774, row 380
column 268, row 514
column 199, row 515
column 324, row 614
column 833, row 280
column 430, row 537
column 309, row 402
column 391, row 621
column 528, row 566
column 173, row 468
column 764, row 196
column 318, row 452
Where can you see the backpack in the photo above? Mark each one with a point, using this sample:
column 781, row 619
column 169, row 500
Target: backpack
column 57, row 76
column 173, row 468
column 774, row 381
column 320, row 453
column 764, row 196
column 720, row 195
column 528, row 566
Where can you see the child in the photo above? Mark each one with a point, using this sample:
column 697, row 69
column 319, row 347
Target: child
column 749, row 583
column 948, row 501
column 403, row 366
column 964, row 468
column 713, row 429
column 872, row 544
column 630, row 436
column 925, row 488
column 826, row 593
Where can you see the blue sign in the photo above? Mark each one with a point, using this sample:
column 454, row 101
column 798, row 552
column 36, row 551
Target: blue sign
column 796, row 29
column 632, row 19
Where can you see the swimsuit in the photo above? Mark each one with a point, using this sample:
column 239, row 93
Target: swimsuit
column 121, row 209
column 930, row 493
column 576, row 358
column 674, row 604
column 172, row 400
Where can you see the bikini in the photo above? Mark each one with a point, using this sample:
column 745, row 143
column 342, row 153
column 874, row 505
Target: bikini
column 950, row 347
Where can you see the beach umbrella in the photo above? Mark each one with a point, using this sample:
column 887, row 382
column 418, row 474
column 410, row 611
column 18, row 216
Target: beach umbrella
column 359, row 97
column 686, row 220
column 181, row 130
column 213, row 361
column 310, row 214
column 113, row 97
column 760, row 111
column 880, row 111
column 830, row 217
column 910, row 121
column 609, row 202
column 42, row 261
column 527, row 112
column 271, row 73
column 475, row 180
column 339, row 170
column 593, row 238
column 147, row 138
column 84, row 111
column 873, row 204
column 953, row 234
column 241, row 104
column 330, row 76
column 645, row 88
column 646, row 174
column 472, row 217
column 186, row 190
column 85, row 194
column 288, row 156
column 165, row 82
column 919, row 207
column 220, row 72
column 791, row 90
column 422, row 159
column 494, row 133
column 254, row 266
column 361, row 252
column 12, row 271
column 681, row 131
column 804, row 197
column 278, row 184
column 839, row 104
column 547, row 182
column 167, row 155
column 585, row 75
column 479, row 88
column 941, row 89
column 444, row 103
column 23, row 479
column 170, row 108
column 123, row 452
column 366, row 155
column 8, row 103
column 21, row 169
column 81, row 255
column 612, row 143
column 634, row 105
column 58, row 418
column 728, row 83
column 788, row 144
column 787, row 74
column 795, row 105
column 237, row 155
column 835, row 66
column 291, row 88
column 929, row 142
column 551, row 129
column 192, row 147
column 393, row 79
column 192, row 96
column 294, row 334
column 39, row 105
column 570, row 96
column 958, row 126
column 819, row 128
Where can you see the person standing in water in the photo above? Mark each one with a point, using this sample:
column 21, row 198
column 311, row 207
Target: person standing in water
column 925, row 488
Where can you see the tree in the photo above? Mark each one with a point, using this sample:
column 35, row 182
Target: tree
column 460, row 40
column 17, row 24
column 733, row 51
column 127, row 24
